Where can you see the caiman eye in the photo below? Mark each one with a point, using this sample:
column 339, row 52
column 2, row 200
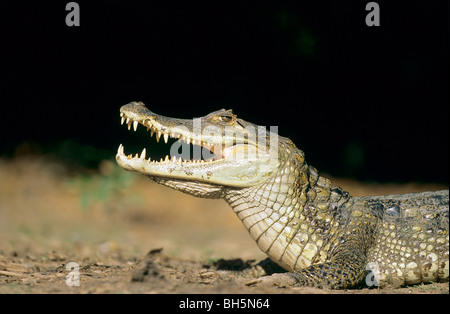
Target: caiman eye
column 225, row 119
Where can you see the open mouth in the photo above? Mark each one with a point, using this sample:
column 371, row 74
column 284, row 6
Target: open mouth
column 186, row 148
column 208, row 150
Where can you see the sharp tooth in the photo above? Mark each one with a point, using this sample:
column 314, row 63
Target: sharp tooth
column 167, row 158
column 137, row 156
column 135, row 125
column 152, row 132
column 143, row 154
column 118, row 150
column 121, row 114
column 128, row 120
column 122, row 120
column 174, row 158
column 161, row 160
column 158, row 135
column 166, row 138
column 149, row 159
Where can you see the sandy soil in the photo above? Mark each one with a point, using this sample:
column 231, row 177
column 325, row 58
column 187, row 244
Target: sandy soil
column 129, row 235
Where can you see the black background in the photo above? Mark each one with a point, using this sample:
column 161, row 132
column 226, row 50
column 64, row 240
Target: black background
column 366, row 102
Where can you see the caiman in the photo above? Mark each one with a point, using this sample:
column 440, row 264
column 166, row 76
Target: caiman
column 313, row 229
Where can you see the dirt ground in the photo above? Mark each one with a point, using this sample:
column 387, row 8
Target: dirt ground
column 127, row 234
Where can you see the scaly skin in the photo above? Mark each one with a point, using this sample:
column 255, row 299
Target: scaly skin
column 319, row 233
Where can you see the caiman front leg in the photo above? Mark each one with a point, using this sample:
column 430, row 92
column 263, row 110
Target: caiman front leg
column 345, row 269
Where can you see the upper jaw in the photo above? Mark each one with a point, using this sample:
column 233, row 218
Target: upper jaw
column 197, row 131
column 136, row 113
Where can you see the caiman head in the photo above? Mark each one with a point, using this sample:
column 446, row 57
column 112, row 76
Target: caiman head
column 231, row 153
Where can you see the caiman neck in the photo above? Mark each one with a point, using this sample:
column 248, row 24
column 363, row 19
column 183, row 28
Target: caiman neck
column 283, row 210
